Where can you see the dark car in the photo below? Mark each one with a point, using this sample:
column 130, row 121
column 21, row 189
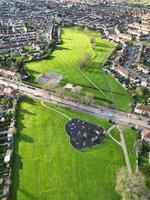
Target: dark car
column 148, row 122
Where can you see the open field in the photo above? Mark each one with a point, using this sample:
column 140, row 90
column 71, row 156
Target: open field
column 47, row 167
column 130, row 138
column 144, row 2
column 75, row 44
column 115, row 134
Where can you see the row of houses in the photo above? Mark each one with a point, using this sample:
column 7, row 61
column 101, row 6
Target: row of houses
column 142, row 109
column 136, row 30
column 9, row 91
column 7, row 131
column 140, row 29
column 102, row 16
column 129, row 63
column 10, row 74
column 145, row 135
column 25, row 27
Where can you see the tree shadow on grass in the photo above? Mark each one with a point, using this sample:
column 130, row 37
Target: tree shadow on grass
column 17, row 163
column 65, row 38
column 103, row 45
column 27, row 100
column 93, row 67
column 49, row 57
column 26, row 138
column 28, row 195
column 24, row 111
column 61, row 48
column 101, row 49
column 33, row 75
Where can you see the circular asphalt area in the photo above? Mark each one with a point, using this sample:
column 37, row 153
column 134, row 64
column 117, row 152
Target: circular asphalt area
column 83, row 134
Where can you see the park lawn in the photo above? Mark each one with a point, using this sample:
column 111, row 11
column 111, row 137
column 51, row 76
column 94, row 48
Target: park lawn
column 130, row 139
column 144, row 2
column 115, row 133
column 64, row 59
column 47, row 167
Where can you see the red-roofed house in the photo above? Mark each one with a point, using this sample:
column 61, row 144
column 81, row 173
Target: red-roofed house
column 145, row 135
column 142, row 109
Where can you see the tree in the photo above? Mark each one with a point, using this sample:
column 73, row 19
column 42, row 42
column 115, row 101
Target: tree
column 92, row 39
column 60, row 92
column 81, row 63
column 131, row 186
column 86, row 30
column 139, row 91
column 87, row 57
column 50, row 87
column 87, row 99
column 146, row 95
column 85, row 60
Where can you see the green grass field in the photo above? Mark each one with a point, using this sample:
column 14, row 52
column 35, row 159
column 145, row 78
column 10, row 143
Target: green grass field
column 144, row 2
column 130, row 138
column 47, row 167
column 115, row 134
column 64, row 59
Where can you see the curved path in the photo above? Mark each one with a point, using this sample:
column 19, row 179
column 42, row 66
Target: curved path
column 54, row 110
column 109, row 134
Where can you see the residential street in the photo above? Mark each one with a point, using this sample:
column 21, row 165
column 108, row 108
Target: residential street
column 121, row 118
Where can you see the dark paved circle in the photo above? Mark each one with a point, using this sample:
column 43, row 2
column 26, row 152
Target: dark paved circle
column 83, row 134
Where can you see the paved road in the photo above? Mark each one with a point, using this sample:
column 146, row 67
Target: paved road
column 119, row 117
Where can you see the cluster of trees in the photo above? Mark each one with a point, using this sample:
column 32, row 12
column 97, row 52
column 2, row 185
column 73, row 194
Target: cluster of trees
column 76, row 94
column 142, row 94
column 143, row 148
column 83, row 62
column 131, row 186
column 9, row 62
column 6, row 103
column 50, row 45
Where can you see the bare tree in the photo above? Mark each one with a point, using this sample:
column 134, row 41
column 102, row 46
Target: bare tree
column 86, row 30
column 92, row 39
column 59, row 92
column 131, row 186
column 87, row 57
column 88, row 98
column 49, row 87
column 81, row 63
